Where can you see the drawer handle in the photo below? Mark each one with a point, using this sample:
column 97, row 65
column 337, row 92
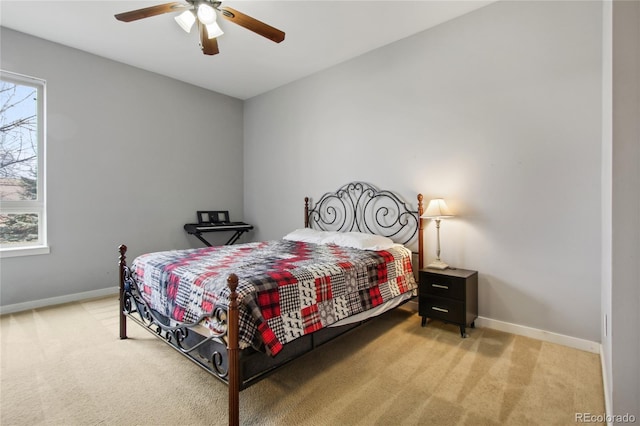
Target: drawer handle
column 440, row 286
column 435, row 308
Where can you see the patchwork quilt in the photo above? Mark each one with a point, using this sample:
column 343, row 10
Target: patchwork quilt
column 286, row 288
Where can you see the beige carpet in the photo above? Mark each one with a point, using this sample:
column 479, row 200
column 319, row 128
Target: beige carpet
column 65, row 366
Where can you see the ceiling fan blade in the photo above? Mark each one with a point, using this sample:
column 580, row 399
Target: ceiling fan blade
column 147, row 12
column 252, row 24
column 209, row 45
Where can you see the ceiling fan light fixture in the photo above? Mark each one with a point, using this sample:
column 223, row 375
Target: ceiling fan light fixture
column 186, row 20
column 206, row 14
column 214, row 30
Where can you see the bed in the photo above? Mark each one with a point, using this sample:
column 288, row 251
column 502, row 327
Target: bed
column 242, row 311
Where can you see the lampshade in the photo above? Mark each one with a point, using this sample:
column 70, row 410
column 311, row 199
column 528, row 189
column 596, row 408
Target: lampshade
column 213, row 30
column 206, row 14
column 186, row 20
column 437, row 209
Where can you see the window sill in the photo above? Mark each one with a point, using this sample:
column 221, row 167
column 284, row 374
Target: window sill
column 24, row 251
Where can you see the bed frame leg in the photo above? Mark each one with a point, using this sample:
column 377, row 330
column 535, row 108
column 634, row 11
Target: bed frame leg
column 122, row 263
column 233, row 354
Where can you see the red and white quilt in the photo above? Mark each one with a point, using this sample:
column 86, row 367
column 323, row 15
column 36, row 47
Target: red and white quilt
column 286, row 288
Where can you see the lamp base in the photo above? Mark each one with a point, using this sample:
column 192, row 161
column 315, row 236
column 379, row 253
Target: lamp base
column 437, row 264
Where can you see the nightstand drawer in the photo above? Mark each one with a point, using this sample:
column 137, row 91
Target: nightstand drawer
column 441, row 308
column 443, row 286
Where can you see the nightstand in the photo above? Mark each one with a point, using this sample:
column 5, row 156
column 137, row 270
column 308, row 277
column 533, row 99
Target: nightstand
column 449, row 295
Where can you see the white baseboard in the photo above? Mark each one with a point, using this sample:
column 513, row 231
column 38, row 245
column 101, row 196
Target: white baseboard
column 535, row 333
column 9, row 309
column 605, row 384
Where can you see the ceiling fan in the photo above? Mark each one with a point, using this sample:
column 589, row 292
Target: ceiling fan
column 204, row 13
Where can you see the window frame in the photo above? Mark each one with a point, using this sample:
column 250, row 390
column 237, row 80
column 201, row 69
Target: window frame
column 37, row 206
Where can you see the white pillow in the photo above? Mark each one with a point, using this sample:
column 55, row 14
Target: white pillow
column 308, row 235
column 359, row 240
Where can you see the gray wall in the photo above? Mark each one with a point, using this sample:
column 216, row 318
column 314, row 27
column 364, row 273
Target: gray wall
column 622, row 292
column 498, row 112
column 131, row 156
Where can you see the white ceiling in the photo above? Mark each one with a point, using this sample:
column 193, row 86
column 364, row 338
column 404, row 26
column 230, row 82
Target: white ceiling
column 319, row 34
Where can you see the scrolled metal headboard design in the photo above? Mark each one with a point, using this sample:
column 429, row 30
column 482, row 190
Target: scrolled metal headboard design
column 361, row 207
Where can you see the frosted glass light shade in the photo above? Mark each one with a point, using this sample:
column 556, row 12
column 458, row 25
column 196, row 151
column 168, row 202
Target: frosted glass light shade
column 206, row 14
column 213, row 30
column 186, row 20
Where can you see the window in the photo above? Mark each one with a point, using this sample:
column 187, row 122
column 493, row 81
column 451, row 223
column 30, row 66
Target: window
column 22, row 150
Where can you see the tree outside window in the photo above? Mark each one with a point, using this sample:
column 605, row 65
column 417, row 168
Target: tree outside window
column 22, row 212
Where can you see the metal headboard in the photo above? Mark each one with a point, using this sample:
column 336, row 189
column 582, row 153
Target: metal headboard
column 361, row 207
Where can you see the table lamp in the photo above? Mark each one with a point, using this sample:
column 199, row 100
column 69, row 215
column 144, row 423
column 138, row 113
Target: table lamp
column 437, row 209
